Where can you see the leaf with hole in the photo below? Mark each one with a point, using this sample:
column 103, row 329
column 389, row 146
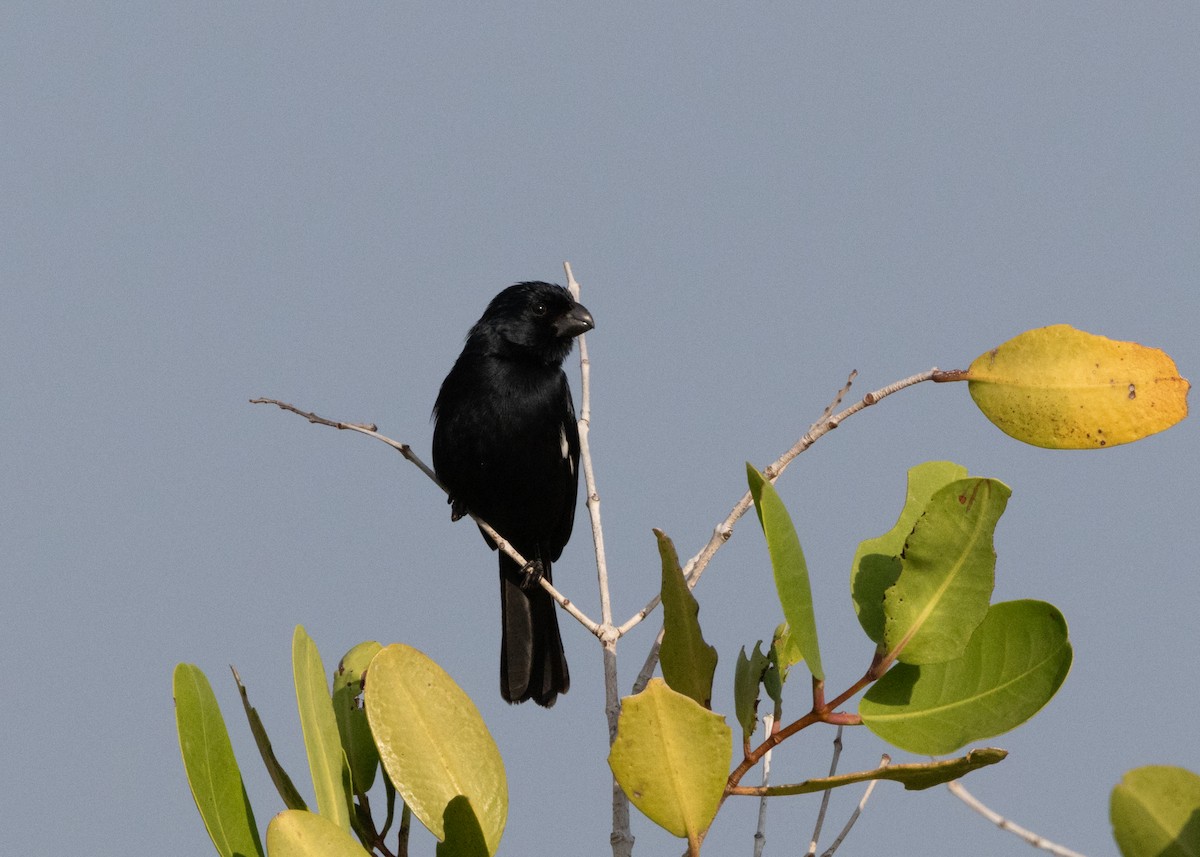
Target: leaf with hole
column 877, row 561
column 947, row 572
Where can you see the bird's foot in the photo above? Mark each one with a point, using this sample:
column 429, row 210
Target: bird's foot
column 532, row 574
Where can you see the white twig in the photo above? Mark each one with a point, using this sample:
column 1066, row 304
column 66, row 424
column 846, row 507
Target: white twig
column 816, row 836
column 621, row 837
column 724, row 530
column 760, row 835
column 406, row 450
column 883, row 763
column 959, row 791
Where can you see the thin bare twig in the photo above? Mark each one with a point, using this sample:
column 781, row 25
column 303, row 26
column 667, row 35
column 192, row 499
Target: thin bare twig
column 884, row 761
column 406, row 450
column 825, row 795
column 724, row 530
column 621, row 838
column 760, row 834
column 959, row 791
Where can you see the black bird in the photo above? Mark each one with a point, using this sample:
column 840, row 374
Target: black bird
column 506, row 446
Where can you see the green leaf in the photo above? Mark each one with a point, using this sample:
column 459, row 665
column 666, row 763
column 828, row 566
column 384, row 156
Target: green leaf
column 433, row 742
column 786, row 652
column 283, row 783
column 297, row 833
column 688, row 663
column 791, row 572
column 464, row 836
column 747, row 676
column 1016, row 661
column 917, row 776
column 947, row 573
column 671, row 758
column 211, row 768
column 330, row 773
column 1063, row 388
column 1155, row 812
column 783, row 654
column 353, row 728
column 877, row 561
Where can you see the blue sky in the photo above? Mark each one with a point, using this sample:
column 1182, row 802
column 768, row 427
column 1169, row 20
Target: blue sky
column 207, row 203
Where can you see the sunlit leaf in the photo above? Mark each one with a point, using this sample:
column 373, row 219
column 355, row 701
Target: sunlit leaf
column 433, row 742
column 297, row 833
column 1062, row 388
column 671, row 758
column 688, row 663
column 1155, row 812
column 787, row 653
column 326, row 761
column 877, row 561
column 791, row 571
column 1016, row 661
column 947, row 572
column 212, row 771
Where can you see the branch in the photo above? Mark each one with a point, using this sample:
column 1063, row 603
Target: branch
column 959, row 791
column 724, row 530
column 621, row 837
column 816, row 835
column 760, row 835
column 883, row 763
column 406, row 450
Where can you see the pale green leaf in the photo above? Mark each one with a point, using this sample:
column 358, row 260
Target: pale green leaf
column 433, row 742
column 326, row 761
column 671, row 758
column 297, row 833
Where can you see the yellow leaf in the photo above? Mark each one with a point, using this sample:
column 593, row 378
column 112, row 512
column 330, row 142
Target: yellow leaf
column 1062, row 388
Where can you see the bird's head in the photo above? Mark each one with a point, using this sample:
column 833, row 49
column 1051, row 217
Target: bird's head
column 539, row 320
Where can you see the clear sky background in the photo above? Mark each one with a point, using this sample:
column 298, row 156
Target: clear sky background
column 203, row 203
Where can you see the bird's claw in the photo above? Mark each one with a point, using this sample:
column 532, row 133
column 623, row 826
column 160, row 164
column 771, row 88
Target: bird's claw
column 532, row 574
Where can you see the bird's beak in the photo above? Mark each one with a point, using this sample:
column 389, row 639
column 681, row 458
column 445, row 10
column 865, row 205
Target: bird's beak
column 573, row 323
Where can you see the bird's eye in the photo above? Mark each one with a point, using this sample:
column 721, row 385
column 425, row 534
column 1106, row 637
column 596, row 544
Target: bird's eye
column 539, row 309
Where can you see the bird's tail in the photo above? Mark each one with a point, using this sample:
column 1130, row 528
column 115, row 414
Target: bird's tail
column 532, row 662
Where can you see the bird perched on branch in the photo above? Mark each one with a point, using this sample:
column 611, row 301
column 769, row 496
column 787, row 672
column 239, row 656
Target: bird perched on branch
column 506, row 446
